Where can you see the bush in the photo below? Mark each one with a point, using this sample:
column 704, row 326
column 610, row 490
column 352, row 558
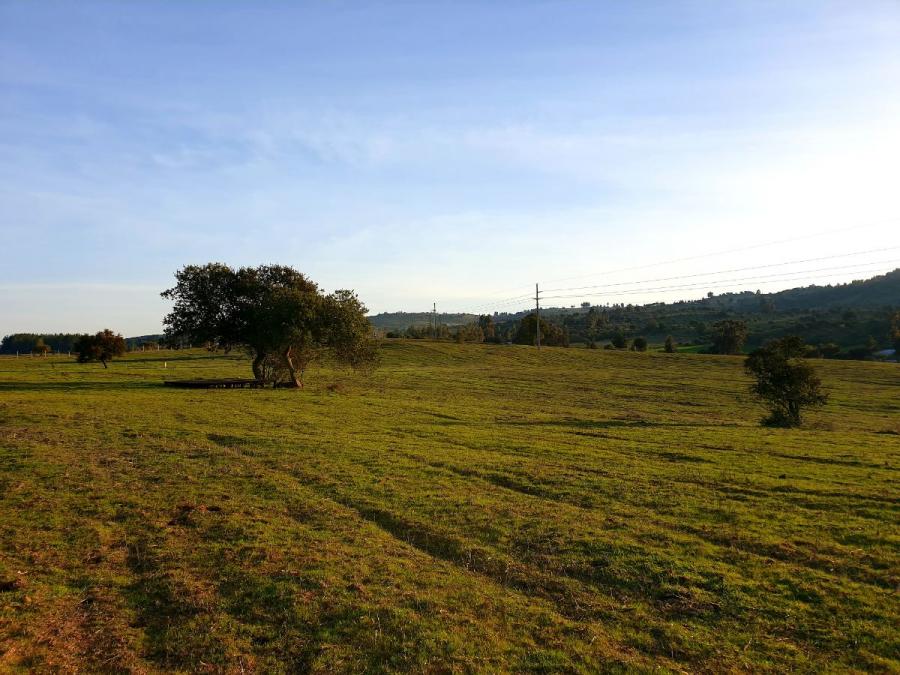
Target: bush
column 669, row 347
column 619, row 341
column 829, row 350
column 639, row 344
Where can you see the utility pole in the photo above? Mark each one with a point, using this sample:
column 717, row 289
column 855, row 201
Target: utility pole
column 537, row 315
column 434, row 315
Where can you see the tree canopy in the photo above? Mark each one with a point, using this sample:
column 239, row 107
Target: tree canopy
column 276, row 313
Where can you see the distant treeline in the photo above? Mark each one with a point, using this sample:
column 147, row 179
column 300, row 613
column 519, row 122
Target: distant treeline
column 485, row 330
column 63, row 343
column 24, row 343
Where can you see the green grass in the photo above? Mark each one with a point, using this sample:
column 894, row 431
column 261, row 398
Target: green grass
column 466, row 508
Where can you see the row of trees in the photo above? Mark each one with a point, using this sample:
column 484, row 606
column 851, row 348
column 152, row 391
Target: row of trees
column 100, row 347
column 24, row 343
column 697, row 323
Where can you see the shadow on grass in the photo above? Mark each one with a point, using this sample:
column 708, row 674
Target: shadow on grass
column 190, row 357
column 74, row 386
column 607, row 424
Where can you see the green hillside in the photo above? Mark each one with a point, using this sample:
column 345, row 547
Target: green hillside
column 402, row 320
column 850, row 316
column 467, row 508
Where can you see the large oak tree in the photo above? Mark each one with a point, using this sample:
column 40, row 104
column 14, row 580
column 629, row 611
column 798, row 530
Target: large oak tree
column 279, row 315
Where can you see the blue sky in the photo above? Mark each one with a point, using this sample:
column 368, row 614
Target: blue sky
column 440, row 151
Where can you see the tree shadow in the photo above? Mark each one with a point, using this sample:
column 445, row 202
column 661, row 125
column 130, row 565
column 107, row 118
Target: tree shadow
column 76, row 386
column 187, row 357
column 608, row 424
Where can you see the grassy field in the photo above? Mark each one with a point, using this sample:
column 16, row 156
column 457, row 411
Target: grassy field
column 466, row 508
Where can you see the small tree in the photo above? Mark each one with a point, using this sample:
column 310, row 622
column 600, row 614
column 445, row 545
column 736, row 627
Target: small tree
column 784, row 380
column 618, row 340
column 871, row 345
column 486, row 323
column 40, row 348
column 729, row 336
column 101, row 347
column 639, row 344
column 669, row 347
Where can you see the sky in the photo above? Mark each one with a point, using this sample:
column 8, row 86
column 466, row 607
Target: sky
column 442, row 152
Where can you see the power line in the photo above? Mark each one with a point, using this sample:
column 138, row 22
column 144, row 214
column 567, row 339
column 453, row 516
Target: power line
column 713, row 282
column 508, row 300
column 737, row 250
column 694, row 286
column 520, row 299
column 632, row 288
column 736, row 269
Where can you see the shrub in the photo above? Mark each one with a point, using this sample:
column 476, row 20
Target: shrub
column 829, row 350
column 619, row 341
column 639, row 344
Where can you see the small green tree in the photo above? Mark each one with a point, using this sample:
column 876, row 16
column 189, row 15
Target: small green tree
column 669, row 347
column 486, row 323
column 784, row 380
column 618, row 340
column 639, row 344
column 871, row 345
column 102, row 347
column 729, row 336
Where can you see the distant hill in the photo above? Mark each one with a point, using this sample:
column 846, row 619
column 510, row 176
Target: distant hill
column 850, row 315
column 880, row 291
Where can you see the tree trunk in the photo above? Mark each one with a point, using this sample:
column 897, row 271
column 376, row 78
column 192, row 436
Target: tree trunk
column 296, row 381
column 257, row 365
column 103, row 361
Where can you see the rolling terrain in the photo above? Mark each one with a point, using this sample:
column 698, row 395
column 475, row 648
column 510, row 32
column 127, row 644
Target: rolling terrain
column 465, row 508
